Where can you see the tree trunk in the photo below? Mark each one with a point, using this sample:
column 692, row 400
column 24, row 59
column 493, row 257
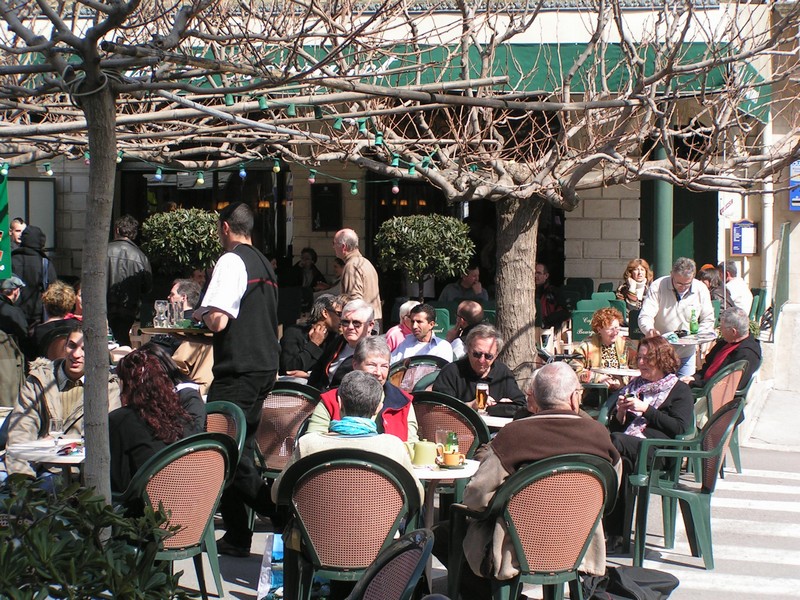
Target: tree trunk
column 99, row 109
column 517, row 226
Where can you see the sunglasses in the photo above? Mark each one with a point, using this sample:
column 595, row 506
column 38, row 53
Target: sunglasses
column 478, row 355
column 347, row 322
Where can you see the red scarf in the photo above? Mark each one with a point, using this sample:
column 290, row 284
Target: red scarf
column 719, row 360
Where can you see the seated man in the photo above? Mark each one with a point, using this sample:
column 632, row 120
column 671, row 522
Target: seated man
column 550, row 313
column 422, row 341
column 468, row 315
column 336, row 361
column 53, row 390
column 467, row 288
column 395, row 413
column 187, row 293
column 555, row 429
column 359, row 396
column 480, row 365
column 303, row 345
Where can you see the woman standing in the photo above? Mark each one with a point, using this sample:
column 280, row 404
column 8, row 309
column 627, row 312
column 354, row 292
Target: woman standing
column 635, row 282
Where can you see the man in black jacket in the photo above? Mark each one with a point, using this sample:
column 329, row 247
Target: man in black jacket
column 129, row 276
column 31, row 264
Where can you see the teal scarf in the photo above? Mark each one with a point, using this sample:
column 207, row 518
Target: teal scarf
column 354, row 426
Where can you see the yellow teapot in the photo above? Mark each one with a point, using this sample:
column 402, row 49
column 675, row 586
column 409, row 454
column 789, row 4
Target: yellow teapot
column 423, row 452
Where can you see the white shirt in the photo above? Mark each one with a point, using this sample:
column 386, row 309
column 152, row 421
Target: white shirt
column 741, row 296
column 411, row 346
column 228, row 285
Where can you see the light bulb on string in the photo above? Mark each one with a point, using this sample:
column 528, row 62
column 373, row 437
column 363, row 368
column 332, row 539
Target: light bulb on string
column 242, row 172
column 395, row 187
column 4, row 169
column 395, row 160
column 312, row 176
column 353, row 187
column 362, row 126
column 379, row 139
column 412, row 169
column 48, row 169
column 119, row 156
column 338, row 123
column 87, row 159
column 276, row 166
column 201, row 179
column 159, row 174
column 426, row 162
column 291, row 111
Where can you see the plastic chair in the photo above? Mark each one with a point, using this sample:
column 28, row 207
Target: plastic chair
column 490, row 316
column 592, row 304
column 442, row 322
column 551, row 509
column 582, row 325
column 634, row 332
column 396, row 571
column 377, row 495
column 716, row 304
column 759, row 306
column 621, row 306
column 585, row 284
column 605, row 286
column 407, row 372
column 187, row 479
column 284, row 412
column 709, row 448
column 734, row 445
column 424, row 382
column 609, row 295
column 566, row 297
column 227, row 418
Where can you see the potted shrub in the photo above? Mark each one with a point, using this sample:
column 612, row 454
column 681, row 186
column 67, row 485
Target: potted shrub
column 180, row 240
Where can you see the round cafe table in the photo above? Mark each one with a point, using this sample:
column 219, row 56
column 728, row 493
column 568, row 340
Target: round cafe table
column 48, row 452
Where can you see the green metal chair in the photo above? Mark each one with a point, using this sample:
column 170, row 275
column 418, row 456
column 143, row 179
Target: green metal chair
column 605, row 286
column 634, row 332
column 376, row 495
column 609, row 295
column 407, row 372
column 592, row 304
column 424, row 382
column 621, row 306
column 585, row 284
column 490, row 315
column 759, row 303
column 227, row 418
column 397, row 570
column 187, row 479
column 442, row 322
column 581, row 324
column 551, row 509
column 284, row 414
column 734, row 445
column 709, row 448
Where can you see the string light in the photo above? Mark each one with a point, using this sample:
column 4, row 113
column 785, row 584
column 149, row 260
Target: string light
column 276, row 166
column 4, row 169
column 395, row 160
column 48, row 169
column 291, row 111
column 201, row 179
column 312, row 176
column 395, row 187
column 87, row 159
column 119, row 156
column 262, row 103
column 473, row 168
column 426, row 162
column 228, row 99
column 338, row 123
column 242, row 172
column 412, row 169
column 362, row 126
column 379, row 138
column 318, row 114
column 159, row 174
column 353, row 187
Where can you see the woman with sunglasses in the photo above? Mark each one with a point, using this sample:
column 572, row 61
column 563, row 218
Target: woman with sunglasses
column 460, row 378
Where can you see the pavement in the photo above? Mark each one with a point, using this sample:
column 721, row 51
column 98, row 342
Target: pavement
column 755, row 524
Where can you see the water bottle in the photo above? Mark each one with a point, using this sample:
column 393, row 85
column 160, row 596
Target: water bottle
column 452, row 442
column 265, row 576
column 694, row 326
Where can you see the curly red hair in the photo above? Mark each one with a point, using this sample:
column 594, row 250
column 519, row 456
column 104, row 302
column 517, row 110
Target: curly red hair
column 603, row 317
column 148, row 390
column 660, row 354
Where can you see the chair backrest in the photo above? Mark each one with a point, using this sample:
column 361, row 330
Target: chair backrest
column 407, row 372
column 634, row 332
column 490, row 316
column 227, row 418
column 759, row 303
column 582, row 324
column 609, row 295
column 442, row 321
column 585, row 284
column 715, row 438
column 376, row 493
column 621, row 306
column 436, row 411
column 592, row 304
column 187, row 478
column 605, row 286
column 396, row 571
column 284, row 411
column 552, row 508
column 716, row 305
column 721, row 388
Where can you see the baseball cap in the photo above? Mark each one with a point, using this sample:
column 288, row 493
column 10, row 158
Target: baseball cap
column 11, row 283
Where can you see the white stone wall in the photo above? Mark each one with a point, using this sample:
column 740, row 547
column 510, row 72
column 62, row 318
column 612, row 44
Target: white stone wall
column 602, row 234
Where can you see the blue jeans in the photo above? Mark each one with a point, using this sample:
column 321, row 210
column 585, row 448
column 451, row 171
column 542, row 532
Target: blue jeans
column 688, row 366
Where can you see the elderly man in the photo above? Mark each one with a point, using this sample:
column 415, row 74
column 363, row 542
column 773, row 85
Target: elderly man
column 394, row 414
column 422, row 340
column 555, row 429
column 737, row 287
column 356, row 323
column 480, row 365
column 53, row 390
column 467, row 288
column 668, row 307
column 359, row 277
column 303, row 345
column 468, row 315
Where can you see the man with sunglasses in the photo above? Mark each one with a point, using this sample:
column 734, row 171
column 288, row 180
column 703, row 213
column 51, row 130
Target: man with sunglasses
column 480, row 365
column 356, row 323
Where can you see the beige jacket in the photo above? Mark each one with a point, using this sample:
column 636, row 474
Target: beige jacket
column 360, row 281
column 39, row 401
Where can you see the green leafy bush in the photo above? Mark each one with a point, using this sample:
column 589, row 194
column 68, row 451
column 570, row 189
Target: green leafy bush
column 425, row 245
column 73, row 545
column 181, row 239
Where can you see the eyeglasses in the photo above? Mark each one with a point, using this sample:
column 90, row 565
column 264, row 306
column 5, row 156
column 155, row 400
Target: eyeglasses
column 478, row 355
column 347, row 322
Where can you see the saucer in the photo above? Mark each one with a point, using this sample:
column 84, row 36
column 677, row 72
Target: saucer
column 451, row 466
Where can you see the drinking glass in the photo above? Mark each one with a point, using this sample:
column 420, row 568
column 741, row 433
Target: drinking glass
column 160, row 319
column 56, row 429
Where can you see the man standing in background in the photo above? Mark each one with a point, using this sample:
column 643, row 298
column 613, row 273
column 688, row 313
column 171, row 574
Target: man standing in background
column 129, row 277
column 359, row 278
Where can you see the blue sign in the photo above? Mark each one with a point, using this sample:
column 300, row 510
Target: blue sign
column 743, row 238
column 794, row 186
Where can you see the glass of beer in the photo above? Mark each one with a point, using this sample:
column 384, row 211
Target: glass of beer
column 481, row 395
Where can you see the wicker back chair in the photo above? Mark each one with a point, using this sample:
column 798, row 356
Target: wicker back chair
column 436, row 411
column 227, row 418
column 377, row 495
column 407, row 372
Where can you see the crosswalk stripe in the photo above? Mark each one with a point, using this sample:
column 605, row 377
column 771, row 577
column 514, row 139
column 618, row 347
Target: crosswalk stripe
column 740, row 585
column 759, row 528
column 750, row 555
column 758, row 488
column 771, row 474
column 760, row 505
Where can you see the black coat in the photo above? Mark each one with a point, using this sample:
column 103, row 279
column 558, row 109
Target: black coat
column 749, row 350
column 27, row 263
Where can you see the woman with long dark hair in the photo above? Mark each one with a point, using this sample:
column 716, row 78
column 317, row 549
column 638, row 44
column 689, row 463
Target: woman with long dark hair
column 151, row 417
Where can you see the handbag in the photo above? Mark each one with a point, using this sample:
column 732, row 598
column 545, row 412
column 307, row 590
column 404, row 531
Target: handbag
column 629, row 583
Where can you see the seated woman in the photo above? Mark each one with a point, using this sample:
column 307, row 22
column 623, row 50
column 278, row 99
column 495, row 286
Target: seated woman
column 605, row 348
column 151, row 416
column 635, row 281
column 715, row 287
column 395, row 413
column 655, row 405
column 58, row 300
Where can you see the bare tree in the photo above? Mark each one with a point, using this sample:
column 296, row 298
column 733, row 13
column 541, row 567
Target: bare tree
column 479, row 99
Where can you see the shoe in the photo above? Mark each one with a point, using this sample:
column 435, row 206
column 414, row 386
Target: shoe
column 228, row 549
column 614, row 544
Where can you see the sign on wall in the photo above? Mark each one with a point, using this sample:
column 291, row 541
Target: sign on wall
column 743, row 238
column 794, row 186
